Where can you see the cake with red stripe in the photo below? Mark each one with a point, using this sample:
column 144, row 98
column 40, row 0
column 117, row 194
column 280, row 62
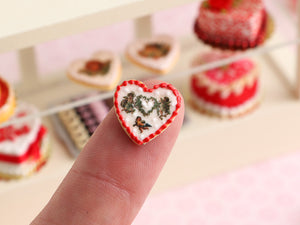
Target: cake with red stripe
column 227, row 91
column 23, row 146
column 234, row 24
column 7, row 101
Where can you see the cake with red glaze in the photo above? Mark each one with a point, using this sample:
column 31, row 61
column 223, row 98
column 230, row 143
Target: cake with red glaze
column 7, row 101
column 23, row 146
column 234, row 24
column 228, row 91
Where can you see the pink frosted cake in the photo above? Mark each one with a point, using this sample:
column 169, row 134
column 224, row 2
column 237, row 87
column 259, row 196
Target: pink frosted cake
column 228, row 91
column 235, row 24
column 24, row 147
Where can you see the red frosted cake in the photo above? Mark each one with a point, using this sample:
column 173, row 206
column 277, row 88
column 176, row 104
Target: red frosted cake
column 7, row 100
column 23, row 146
column 235, row 24
column 227, row 91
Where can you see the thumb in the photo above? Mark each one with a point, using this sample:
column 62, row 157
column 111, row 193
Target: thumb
column 111, row 178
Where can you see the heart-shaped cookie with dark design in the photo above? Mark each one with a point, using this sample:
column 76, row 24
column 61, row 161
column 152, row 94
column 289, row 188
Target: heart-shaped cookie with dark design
column 145, row 112
column 101, row 71
column 157, row 54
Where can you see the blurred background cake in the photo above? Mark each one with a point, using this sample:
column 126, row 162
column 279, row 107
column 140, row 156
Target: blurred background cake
column 235, row 24
column 7, row 100
column 24, row 146
column 228, row 91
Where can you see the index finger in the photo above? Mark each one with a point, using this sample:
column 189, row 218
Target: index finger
column 112, row 176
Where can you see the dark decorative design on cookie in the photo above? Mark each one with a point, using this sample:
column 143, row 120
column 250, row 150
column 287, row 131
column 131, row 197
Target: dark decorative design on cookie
column 139, row 105
column 141, row 124
column 96, row 67
column 155, row 50
column 164, row 107
column 128, row 103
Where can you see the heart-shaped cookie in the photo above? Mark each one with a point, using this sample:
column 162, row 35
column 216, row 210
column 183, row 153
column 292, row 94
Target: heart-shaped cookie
column 7, row 101
column 101, row 71
column 145, row 112
column 157, row 54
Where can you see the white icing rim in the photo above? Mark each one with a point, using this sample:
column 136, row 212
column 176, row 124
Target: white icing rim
column 27, row 167
column 21, row 144
column 162, row 63
column 226, row 111
column 106, row 80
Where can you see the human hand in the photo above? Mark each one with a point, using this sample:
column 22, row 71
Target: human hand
column 111, row 177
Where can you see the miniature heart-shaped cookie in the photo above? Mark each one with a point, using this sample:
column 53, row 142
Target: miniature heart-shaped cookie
column 101, row 71
column 157, row 54
column 145, row 112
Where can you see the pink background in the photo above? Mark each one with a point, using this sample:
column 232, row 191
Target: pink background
column 263, row 194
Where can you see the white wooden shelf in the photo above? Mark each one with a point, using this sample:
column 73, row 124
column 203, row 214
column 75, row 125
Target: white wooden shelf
column 30, row 22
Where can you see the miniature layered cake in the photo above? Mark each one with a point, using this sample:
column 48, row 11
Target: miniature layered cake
column 234, row 24
column 77, row 125
column 7, row 101
column 228, row 91
column 24, row 147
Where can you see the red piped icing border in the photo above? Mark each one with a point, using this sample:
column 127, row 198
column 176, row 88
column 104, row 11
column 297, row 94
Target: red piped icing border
column 234, row 44
column 33, row 151
column 142, row 85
